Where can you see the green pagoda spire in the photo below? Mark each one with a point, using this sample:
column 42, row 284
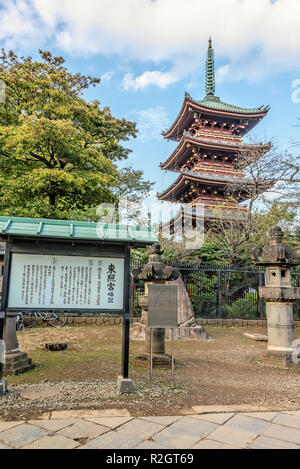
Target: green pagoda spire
column 210, row 71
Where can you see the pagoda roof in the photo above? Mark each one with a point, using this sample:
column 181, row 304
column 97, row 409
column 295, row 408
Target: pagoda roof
column 212, row 105
column 220, row 145
column 221, row 180
column 213, row 102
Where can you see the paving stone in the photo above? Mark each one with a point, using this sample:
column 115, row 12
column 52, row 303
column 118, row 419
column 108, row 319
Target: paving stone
column 206, row 409
column 7, row 425
column 214, row 418
column 114, row 440
column 39, row 391
column 262, row 415
column 45, row 416
column 140, row 428
column 22, row 435
column 249, row 424
column 165, row 421
column 282, row 433
column 83, row 429
column 232, row 436
column 184, row 433
column 211, row 444
column 111, row 422
column 288, row 420
column 149, row 445
column 70, row 414
column 291, row 412
column 53, row 442
column 52, row 425
column 2, row 446
column 269, row 443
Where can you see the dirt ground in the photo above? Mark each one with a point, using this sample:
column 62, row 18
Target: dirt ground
column 224, row 370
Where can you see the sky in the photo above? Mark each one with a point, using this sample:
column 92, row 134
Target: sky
column 149, row 52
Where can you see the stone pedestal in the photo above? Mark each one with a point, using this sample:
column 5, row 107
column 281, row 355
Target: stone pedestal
column 15, row 362
column 125, row 385
column 158, row 361
column 280, row 327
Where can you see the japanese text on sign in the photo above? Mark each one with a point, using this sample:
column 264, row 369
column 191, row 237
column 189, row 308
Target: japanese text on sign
column 75, row 282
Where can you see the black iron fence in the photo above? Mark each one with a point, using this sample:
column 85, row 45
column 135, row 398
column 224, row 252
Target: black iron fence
column 219, row 291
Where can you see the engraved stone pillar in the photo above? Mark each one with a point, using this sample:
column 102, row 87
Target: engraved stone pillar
column 15, row 362
column 278, row 292
column 153, row 272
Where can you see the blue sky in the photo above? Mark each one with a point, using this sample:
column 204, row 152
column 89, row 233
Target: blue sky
column 149, row 52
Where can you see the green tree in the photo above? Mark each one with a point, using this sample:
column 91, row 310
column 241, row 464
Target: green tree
column 58, row 152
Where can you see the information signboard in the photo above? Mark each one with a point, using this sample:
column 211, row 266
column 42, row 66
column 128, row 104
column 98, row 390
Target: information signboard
column 162, row 306
column 45, row 281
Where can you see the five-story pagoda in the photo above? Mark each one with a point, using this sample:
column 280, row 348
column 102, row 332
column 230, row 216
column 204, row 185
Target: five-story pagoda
column 210, row 135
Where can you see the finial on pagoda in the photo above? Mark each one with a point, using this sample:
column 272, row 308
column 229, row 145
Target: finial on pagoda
column 210, row 71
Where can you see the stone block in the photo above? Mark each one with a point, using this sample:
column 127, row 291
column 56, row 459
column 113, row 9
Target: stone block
column 257, row 337
column 16, row 364
column 125, row 385
column 188, row 333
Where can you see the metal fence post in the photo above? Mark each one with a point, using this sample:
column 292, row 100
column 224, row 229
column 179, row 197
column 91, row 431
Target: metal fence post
column 219, row 298
column 261, row 281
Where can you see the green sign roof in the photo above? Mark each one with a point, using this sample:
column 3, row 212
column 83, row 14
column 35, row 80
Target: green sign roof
column 77, row 230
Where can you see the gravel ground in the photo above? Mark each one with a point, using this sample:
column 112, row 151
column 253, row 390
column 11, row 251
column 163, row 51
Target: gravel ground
column 24, row 401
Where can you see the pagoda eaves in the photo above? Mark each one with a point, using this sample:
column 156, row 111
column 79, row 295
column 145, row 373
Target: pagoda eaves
column 244, row 119
column 225, row 152
column 198, row 182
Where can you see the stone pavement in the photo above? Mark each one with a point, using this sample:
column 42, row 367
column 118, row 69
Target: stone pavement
column 217, row 427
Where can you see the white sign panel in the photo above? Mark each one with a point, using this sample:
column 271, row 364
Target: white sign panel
column 70, row 282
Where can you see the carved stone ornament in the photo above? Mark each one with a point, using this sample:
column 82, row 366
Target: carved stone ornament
column 276, row 252
column 155, row 269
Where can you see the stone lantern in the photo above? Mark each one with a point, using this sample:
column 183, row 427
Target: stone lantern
column 278, row 292
column 154, row 272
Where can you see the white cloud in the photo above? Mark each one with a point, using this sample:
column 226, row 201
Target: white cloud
column 107, row 76
column 222, row 73
column 160, row 79
column 150, row 122
column 255, row 37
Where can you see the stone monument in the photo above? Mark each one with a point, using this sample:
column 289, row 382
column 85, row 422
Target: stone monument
column 278, row 292
column 155, row 272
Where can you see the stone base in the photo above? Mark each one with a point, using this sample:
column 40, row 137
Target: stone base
column 188, row 333
column 16, row 364
column 277, row 359
column 181, row 333
column 125, row 385
column 158, row 361
column 3, row 387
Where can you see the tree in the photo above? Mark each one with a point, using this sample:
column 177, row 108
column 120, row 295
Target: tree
column 58, row 152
